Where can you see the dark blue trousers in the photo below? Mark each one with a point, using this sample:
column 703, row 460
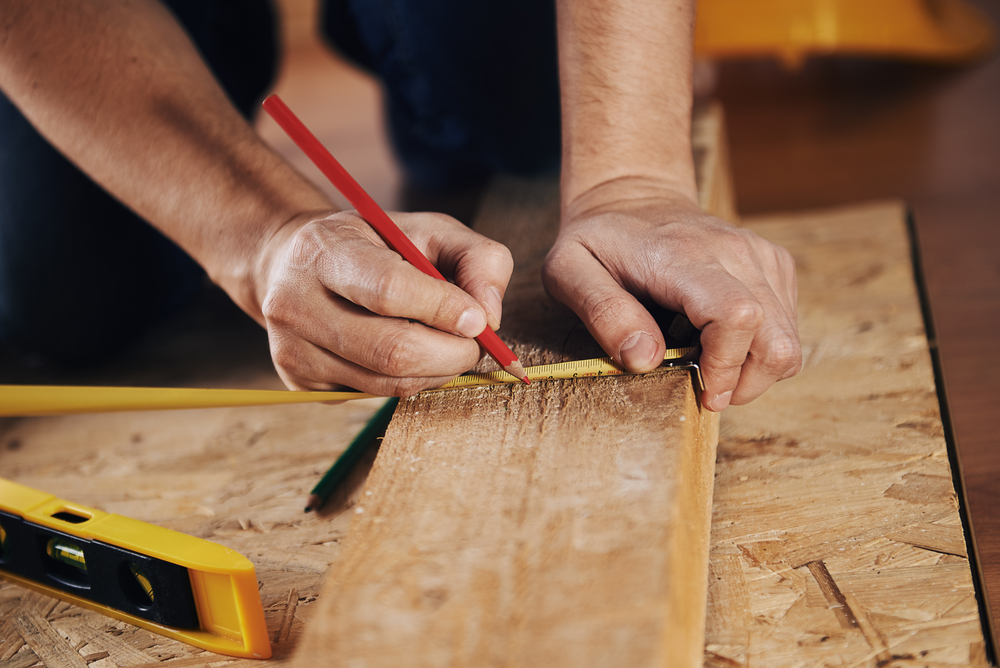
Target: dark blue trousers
column 471, row 89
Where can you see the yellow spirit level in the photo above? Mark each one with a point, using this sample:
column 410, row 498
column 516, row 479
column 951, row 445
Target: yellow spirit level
column 183, row 587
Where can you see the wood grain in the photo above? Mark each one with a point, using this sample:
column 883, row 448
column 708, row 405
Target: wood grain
column 843, row 467
column 836, row 538
column 560, row 524
column 847, row 130
column 540, row 525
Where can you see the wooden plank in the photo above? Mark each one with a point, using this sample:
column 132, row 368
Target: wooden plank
column 563, row 523
column 542, row 530
column 835, row 528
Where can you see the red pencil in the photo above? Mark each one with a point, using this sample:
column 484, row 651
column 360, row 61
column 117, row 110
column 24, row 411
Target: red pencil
column 377, row 218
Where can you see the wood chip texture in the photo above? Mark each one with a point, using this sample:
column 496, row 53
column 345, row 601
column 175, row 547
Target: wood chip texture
column 836, row 538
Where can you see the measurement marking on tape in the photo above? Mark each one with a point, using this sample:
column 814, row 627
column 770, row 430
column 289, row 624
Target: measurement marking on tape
column 592, row 368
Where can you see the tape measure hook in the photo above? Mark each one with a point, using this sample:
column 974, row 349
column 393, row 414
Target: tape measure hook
column 689, row 362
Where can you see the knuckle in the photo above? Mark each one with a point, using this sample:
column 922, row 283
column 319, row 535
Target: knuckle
column 498, row 255
column 306, row 246
column 392, row 354
column 782, row 357
column 785, row 257
column 720, row 366
column 277, row 308
column 407, row 387
column 784, row 261
column 283, row 354
column 445, row 315
column 744, row 314
column 392, row 292
column 557, row 260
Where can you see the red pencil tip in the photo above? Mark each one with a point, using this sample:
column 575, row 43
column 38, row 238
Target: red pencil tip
column 515, row 369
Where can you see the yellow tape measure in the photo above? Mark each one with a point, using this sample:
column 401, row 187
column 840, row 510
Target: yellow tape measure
column 595, row 368
column 34, row 400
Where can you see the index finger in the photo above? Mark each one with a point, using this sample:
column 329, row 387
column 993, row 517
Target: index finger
column 749, row 340
column 726, row 339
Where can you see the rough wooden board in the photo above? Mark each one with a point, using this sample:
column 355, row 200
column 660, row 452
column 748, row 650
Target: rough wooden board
column 716, row 192
column 541, row 531
column 562, row 524
column 835, row 525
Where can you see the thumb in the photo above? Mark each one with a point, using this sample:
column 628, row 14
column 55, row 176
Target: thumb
column 620, row 324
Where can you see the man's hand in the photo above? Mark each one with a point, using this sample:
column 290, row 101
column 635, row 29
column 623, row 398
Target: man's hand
column 631, row 227
column 342, row 309
column 734, row 286
column 144, row 117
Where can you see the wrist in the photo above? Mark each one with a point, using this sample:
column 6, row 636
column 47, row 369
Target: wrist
column 242, row 262
column 629, row 193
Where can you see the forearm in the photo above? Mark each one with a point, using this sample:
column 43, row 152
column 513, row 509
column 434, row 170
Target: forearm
column 625, row 77
column 121, row 91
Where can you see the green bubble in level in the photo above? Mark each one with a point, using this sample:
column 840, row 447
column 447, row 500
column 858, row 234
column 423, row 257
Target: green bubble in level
column 66, row 552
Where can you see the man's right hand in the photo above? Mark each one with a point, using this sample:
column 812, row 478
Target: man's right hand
column 342, row 309
column 120, row 89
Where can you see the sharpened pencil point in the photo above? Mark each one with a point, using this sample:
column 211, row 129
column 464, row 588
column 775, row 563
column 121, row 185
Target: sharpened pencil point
column 515, row 369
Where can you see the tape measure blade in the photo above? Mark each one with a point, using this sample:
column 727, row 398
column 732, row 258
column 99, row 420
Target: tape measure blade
column 603, row 366
column 37, row 400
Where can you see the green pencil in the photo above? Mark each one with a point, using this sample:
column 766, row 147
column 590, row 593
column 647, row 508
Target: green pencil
column 373, row 430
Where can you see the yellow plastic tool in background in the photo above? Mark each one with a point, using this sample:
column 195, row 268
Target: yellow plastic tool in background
column 944, row 31
column 186, row 588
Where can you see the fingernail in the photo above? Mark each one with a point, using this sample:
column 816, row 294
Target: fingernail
column 638, row 351
column 472, row 323
column 494, row 302
column 720, row 401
